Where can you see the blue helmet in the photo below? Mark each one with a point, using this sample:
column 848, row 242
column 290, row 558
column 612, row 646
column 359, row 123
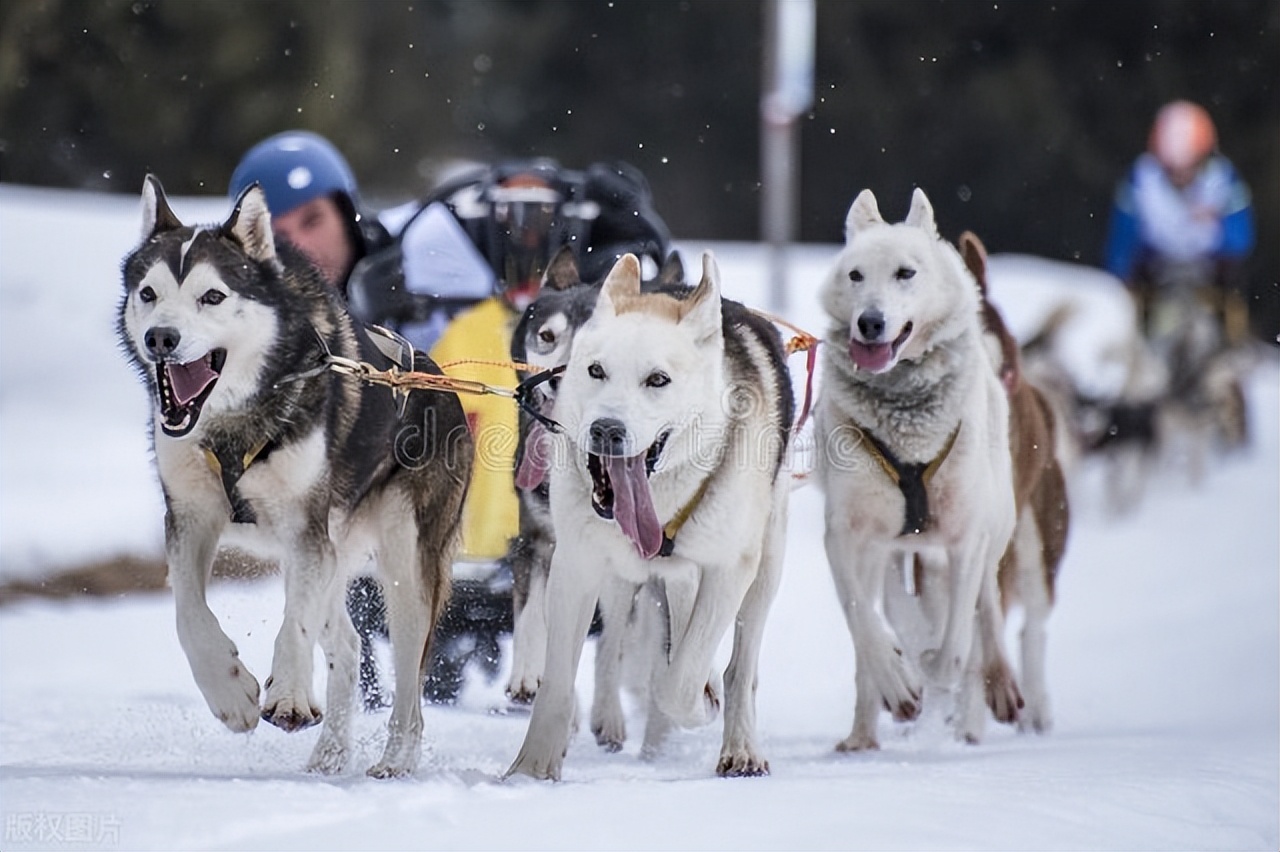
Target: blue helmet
column 293, row 168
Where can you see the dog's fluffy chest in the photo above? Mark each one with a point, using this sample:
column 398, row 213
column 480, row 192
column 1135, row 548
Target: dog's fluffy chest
column 958, row 428
column 271, row 480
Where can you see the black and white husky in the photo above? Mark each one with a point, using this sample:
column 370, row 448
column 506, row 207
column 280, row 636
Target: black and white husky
column 542, row 338
column 676, row 410
column 259, row 444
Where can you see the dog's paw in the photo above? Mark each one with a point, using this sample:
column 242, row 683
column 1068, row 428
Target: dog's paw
column 857, row 743
column 896, row 680
column 900, row 692
column 523, row 690
column 384, row 771
column 1002, row 693
column 289, row 710
column 399, row 757
column 904, row 710
column 537, row 764
column 610, row 730
column 329, row 757
column 1037, row 719
column 233, row 698
column 741, row 764
column 228, row 687
column 291, row 716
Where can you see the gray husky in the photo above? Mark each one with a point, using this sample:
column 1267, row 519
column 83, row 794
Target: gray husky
column 260, row 445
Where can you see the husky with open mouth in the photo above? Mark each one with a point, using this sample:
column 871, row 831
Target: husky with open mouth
column 259, row 444
column 543, row 338
column 676, row 410
column 912, row 426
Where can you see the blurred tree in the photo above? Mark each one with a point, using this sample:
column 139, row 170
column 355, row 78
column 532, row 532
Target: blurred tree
column 1016, row 117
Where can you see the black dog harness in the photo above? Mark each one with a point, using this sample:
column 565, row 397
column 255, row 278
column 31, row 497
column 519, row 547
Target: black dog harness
column 912, row 479
column 229, row 468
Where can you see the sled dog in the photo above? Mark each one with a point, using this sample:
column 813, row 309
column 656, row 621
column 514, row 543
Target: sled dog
column 260, row 445
column 633, row 628
column 543, row 339
column 1029, row 568
column 912, row 428
column 676, row 412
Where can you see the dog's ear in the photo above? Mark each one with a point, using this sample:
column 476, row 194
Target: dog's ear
column 622, row 283
column 702, row 307
column 672, row 271
column 157, row 216
column 975, row 258
column 562, row 273
column 921, row 213
column 863, row 213
column 250, row 226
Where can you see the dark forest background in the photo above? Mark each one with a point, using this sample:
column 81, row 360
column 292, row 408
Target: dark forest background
column 1016, row 116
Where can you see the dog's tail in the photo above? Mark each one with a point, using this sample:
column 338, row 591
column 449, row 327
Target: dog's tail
column 974, row 254
column 1051, row 509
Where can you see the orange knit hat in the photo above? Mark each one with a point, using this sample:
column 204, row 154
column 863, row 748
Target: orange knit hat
column 1182, row 136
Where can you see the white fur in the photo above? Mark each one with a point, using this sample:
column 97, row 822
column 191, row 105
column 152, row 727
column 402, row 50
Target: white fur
column 941, row 375
column 529, row 641
column 727, row 556
column 247, row 329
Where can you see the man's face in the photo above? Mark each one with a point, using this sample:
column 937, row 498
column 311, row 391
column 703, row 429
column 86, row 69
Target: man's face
column 1183, row 176
column 318, row 230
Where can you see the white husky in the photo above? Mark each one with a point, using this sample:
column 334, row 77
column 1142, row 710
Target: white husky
column 676, row 409
column 913, row 454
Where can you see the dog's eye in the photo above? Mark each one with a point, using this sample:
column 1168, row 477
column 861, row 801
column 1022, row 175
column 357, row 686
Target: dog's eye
column 855, row 275
column 212, row 297
column 657, row 379
column 595, row 371
column 904, row 273
column 146, row 294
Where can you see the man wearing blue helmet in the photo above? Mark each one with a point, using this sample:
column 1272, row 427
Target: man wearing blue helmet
column 313, row 199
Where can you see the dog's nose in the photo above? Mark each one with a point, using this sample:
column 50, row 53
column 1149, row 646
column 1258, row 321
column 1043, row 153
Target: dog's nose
column 608, row 437
column 871, row 325
column 162, row 341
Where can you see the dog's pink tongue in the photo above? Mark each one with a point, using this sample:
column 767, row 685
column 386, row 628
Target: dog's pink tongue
column 873, row 357
column 189, row 380
column 633, row 504
column 535, row 461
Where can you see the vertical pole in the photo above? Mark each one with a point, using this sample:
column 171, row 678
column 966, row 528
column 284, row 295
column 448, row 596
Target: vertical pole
column 787, row 93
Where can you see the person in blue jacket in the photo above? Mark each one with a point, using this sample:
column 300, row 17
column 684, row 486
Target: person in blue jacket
column 1183, row 213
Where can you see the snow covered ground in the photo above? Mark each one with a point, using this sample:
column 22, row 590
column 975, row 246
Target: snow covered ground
column 1164, row 650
